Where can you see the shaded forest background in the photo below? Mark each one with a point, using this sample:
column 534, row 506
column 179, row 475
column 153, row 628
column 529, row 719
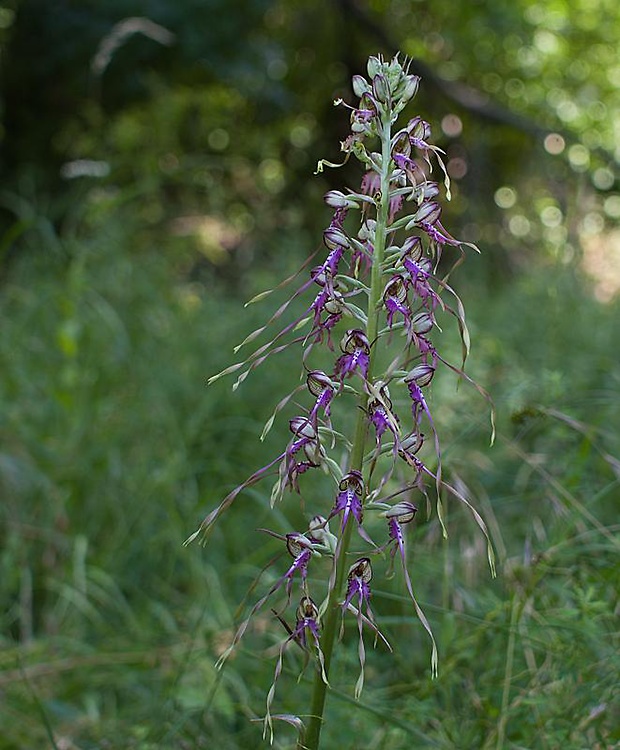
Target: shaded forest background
column 156, row 171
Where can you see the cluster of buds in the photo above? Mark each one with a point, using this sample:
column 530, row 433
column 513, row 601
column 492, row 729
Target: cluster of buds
column 379, row 288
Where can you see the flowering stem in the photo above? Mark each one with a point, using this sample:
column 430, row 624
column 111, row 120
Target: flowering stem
column 330, row 626
column 401, row 296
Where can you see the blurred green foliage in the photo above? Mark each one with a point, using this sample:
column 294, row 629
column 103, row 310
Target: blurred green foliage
column 143, row 200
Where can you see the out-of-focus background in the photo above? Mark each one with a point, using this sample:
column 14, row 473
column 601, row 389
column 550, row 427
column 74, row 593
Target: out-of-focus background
column 156, row 172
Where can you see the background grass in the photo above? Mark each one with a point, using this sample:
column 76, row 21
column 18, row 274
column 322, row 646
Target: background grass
column 147, row 193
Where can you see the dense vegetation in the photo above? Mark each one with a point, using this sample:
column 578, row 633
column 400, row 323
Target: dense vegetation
column 143, row 201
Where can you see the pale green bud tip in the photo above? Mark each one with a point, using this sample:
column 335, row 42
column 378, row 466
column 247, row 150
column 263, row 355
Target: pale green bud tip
column 422, row 323
column 422, row 374
column 360, row 86
column 334, row 237
column 403, row 512
column 380, row 88
column 408, row 88
column 337, row 199
column 374, row 66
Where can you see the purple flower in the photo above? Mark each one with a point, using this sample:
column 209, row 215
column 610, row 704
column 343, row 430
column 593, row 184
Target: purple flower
column 395, row 301
column 427, row 219
column 300, row 548
column 407, row 449
column 396, row 203
column 419, row 133
column 424, row 346
column 358, row 585
column 329, row 300
column 357, row 599
column 304, row 634
column 421, row 376
column 302, row 453
column 397, row 516
column 419, row 274
column 438, row 233
column 409, row 167
column 349, row 503
column 321, row 386
column 363, row 119
column 418, row 402
column 381, row 415
column 371, row 183
column 356, row 355
column 349, row 499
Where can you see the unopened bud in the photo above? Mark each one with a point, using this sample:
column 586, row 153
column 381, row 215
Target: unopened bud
column 296, row 544
column 412, row 443
column 428, row 190
column 374, row 66
column 413, row 248
column 360, row 86
column 407, row 88
column 318, row 526
column 336, row 199
column 381, row 89
column 403, row 512
column 422, row 323
column 334, row 237
column 317, row 381
column 368, row 230
column 428, row 213
column 302, row 427
column 422, row 375
column 319, row 531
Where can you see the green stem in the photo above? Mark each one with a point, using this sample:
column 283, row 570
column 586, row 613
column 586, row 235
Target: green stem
column 330, row 625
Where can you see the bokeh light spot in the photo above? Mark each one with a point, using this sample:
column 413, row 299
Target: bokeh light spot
column 593, row 223
column 603, row 178
column 519, row 225
column 277, row 69
column 579, row 157
column 567, row 111
column 554, row 143
column 514, row 88
column 546, row 42
column 551, row 216
column 452, row 125
column 505, row 197
column 272, row 175
column 612, row 206
column 218, row 139
column 457, row 168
